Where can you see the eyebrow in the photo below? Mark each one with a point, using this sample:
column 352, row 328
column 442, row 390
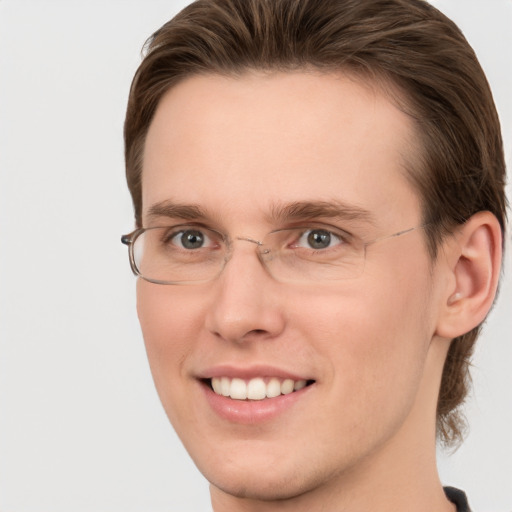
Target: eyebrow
column 279, row 212
column 304, row 210
column 174, row 210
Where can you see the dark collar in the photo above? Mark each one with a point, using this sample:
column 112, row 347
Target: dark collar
column 458, row 498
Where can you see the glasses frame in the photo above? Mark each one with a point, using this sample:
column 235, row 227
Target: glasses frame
column 130, row 238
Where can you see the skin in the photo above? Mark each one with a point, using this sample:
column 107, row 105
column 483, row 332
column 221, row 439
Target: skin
column 363, row 436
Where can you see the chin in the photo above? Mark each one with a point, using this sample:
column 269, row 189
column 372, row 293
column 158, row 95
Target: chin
column 261, row 476
column 261, row 487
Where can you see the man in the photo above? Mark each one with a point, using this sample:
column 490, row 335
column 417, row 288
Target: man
column 319, row 199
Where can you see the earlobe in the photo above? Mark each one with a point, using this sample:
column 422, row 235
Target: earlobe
column 474, row 261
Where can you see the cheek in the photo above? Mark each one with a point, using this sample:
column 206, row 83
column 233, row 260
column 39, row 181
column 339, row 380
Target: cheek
column 169, row 326
column 374, row 338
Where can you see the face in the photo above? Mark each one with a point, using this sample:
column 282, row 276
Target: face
column 240, row 150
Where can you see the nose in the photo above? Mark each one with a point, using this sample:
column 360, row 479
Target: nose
column 245, row 303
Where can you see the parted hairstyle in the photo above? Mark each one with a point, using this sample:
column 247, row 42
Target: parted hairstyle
column 408, row 48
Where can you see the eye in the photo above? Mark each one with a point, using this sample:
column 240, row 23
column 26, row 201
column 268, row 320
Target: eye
column 192, row 239
column 189, row 239
column 319, row 239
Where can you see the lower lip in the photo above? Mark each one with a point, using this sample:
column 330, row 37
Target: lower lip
column 249, row 412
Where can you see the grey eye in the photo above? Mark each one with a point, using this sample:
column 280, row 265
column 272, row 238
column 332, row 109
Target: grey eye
column 319, row 238
column 191, row 239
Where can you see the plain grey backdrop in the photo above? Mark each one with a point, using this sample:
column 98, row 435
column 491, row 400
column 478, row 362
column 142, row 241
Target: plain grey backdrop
column 81, row 428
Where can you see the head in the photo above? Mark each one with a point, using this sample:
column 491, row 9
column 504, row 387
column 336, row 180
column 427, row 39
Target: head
column 399, row 53
column 409, row 49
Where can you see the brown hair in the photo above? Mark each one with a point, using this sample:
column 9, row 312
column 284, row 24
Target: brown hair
column 406, row 43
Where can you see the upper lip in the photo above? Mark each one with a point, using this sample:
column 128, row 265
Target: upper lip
column 249, row 372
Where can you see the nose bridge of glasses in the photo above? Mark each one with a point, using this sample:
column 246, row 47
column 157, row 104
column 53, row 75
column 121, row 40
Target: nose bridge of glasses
column 261, row 246
column 261, row 250
column 248, row 239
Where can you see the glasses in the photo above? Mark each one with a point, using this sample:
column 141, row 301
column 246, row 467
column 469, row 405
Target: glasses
column 188, row 254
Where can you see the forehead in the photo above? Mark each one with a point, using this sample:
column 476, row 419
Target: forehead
column 239, row 145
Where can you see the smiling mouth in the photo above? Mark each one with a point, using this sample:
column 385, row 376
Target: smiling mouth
column 258, row 388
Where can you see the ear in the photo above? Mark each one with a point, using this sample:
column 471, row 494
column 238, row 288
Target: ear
column 473, row 262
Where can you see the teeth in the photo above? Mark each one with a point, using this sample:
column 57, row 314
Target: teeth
column 287, row 386
column 273, row 388
column 255, row 389
column 224, row 386
column 299, row 384
column 217, row 386
column 238, row 389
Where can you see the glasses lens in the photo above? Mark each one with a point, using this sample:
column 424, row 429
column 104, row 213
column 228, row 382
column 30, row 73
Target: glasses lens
column 178, row 254
column 183, row 253
column 313, row 254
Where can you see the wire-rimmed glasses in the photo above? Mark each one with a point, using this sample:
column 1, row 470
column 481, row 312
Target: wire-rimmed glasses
column 187, row 254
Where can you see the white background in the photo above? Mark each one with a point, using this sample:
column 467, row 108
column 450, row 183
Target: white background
column 81, row 428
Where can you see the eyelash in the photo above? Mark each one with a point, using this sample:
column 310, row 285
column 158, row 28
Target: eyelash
column 342, row 236
column 329, row 232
